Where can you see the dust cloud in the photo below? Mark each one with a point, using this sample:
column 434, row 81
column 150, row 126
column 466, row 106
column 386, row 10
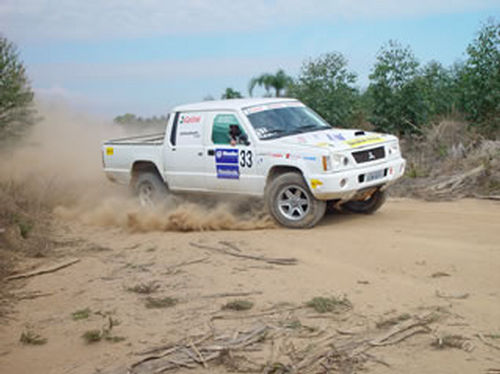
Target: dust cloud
column 59, row 166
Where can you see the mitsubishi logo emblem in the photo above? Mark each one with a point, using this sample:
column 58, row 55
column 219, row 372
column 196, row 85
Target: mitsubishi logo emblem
column 371, row 156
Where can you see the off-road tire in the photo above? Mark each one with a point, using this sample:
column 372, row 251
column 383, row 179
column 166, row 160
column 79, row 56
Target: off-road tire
column 376, row 200
column 149, row 188
column 285, row 193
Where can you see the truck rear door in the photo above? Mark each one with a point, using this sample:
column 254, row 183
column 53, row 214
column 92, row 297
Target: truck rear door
column 184, row 151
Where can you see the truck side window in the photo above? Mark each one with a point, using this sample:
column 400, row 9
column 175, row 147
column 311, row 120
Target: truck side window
column 173, row 133
column 223, row 127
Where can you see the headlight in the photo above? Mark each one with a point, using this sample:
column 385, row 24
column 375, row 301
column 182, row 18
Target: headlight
column 336, row 161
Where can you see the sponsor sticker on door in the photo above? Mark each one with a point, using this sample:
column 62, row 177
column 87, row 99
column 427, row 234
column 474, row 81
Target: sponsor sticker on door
column 226, row 163
column 228, row 172
column 226, row 156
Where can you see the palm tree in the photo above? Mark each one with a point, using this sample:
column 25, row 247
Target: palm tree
column 279, row 81
column 231, row 94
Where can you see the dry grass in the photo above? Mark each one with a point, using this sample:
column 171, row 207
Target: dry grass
column 24, row 231
column 492, row 336
column 144, row 288
column 238, row 305
column 29, row 337
column 329, row 304
column 92, row 336
column 96, row 335
column 444, row 150
column 81, row 314
column 115, row 339
column 162, row 302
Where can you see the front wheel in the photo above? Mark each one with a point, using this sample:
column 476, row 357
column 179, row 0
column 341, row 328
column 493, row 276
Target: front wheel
column 368, row 206
column 291, row 203
column 150, row 189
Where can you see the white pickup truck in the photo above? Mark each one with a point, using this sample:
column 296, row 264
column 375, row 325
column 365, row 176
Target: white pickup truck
column 278, row 149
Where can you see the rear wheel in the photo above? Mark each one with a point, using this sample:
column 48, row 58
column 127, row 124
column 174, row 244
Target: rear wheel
column 368, row 206
column 291, row 203
column 150, row 189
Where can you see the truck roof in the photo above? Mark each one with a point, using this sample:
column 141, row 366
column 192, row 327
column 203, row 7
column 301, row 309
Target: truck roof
column 230, row 104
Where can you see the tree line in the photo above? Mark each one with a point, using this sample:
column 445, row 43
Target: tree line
column 403, row 95
column 132, row 119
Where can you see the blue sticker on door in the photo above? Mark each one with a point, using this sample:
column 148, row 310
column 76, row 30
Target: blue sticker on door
column 226, row 156
column 226, row 163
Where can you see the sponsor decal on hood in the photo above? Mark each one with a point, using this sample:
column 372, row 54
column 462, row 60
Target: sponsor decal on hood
column 337, row 139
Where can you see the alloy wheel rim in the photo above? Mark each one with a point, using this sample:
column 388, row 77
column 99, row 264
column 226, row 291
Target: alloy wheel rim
column 293, row 203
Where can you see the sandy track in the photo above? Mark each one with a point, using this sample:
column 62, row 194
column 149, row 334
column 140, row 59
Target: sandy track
column 383, row 263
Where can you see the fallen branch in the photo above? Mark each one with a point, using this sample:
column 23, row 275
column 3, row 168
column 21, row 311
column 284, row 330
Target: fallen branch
column 454, row 184
column 339, row 351
column 487, row 197
column 275, row 261
column 191, row 355
column 458, row 296
column 254, row 315
column 334, row 353
column 232, row 294
column 198, row 353
column 400, row 334
column 33, row 295
column 50, row 269
column 186, row 263
column 230, row 245
column 482, row 338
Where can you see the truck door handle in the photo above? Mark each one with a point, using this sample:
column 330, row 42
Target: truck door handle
column 211, row 152
column 200, row 153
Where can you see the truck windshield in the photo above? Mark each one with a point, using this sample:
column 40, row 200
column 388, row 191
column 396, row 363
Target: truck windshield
column 279, row 122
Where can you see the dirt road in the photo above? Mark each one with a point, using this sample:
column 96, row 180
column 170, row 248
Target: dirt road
column 408, row 259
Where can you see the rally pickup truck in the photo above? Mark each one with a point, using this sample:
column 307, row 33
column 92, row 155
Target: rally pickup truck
column 278, row 149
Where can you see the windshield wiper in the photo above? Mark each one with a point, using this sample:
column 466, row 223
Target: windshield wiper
column 306, row 128
column 312, row 127
column 272, row 133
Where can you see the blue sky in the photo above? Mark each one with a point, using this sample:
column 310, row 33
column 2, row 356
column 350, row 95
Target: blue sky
column 114, row 56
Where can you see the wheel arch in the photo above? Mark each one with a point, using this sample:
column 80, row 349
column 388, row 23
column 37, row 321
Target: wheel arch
column 277, row 170
column 141, row 166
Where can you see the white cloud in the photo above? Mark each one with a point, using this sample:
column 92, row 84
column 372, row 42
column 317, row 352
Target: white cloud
column 32, row 20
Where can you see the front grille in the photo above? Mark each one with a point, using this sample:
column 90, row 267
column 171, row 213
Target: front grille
column 369, row 155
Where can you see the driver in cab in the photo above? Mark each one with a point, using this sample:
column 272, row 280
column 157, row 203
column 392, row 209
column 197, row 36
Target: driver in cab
column 235, row 135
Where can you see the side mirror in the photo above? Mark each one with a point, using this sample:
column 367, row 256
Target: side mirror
column 243, row 139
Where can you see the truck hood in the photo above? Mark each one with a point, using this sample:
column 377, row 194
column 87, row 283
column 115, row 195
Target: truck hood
column 335, row 139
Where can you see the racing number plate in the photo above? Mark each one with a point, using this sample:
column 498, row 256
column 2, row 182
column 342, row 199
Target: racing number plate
column 374, row 175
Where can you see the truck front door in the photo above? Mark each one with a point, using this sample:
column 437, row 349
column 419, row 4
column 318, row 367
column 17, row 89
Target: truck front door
column 230, row 164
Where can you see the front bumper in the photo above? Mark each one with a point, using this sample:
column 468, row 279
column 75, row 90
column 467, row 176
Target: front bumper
column 344, row 185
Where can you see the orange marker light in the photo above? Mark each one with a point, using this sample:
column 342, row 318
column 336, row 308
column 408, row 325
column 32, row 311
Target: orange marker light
column 325, row 163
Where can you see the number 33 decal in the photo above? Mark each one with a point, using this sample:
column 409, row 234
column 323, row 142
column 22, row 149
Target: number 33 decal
column 246, row 159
